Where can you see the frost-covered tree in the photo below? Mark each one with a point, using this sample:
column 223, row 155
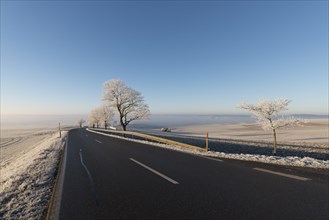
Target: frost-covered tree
column 94, row 118
column 267, row 114
column 107, row 114
column 128, row 102
column 101, row 115
column 80, row 122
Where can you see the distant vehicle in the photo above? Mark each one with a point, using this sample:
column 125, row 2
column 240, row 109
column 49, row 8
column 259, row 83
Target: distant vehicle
column 166, row 129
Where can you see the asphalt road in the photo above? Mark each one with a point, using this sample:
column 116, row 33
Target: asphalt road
column 110, row 178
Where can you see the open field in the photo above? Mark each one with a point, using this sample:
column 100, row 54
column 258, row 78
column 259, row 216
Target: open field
column 316, row 131
column 19, row 141
column 311, row 140
column 28, row 164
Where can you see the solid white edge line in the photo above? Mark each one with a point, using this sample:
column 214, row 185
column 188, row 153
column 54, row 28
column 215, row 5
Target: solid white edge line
column 98, row 141
column 282, row 174
column 154, row 171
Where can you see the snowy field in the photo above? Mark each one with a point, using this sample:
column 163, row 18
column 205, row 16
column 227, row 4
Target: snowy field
column 310, row 140
column 29, row 160
column 316, row 131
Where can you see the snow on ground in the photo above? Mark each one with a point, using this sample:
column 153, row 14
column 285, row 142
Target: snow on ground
column 15, row 142
column 28, row 167
column 310, row 140
column 29, row 162
column 287, row 161
column 315, row 131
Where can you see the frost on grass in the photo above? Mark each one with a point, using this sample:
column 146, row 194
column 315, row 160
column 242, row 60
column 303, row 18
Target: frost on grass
column 287, row 161
column 27, row 180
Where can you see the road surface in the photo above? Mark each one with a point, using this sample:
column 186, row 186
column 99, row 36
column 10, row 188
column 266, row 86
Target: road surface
column 110, row 178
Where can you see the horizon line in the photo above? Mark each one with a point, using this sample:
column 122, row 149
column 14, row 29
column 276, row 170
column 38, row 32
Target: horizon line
column 201, row 114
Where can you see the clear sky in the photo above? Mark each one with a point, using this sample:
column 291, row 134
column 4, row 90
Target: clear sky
column 190, row 57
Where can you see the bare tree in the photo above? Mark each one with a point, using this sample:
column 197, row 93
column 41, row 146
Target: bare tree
column 128, row 102
column 95, row 117
column 101, row 115
column 107, row 114
column 80, row 122
column 267, row 114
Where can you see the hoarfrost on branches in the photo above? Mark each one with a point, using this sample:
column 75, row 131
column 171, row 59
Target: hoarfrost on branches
column 80, row 122
column 101, row 115
column 128, row 102
column 267, row 114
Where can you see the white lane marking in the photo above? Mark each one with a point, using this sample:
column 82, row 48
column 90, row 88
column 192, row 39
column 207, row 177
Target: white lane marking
column 90, row 178
column 283, row 174
column 98, row 141
column 86, row 135
column 84, row 165
column 155, row 172
column 210, row 158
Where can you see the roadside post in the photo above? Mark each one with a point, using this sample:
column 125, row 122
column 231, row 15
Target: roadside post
column 207, row 142
column 59, row 129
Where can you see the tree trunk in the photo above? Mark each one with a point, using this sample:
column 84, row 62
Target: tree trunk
column 274, row 145
column 123, row 124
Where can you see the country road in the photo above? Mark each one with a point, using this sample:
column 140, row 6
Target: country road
column 110, row 178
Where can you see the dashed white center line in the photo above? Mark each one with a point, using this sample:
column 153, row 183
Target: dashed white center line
column 283, row 174
column 86, row 135
column 98, row 141
column 155, row 172
column 210, row 158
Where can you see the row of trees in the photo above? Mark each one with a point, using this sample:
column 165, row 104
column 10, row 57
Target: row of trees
column 101, row 116
column 129, row 106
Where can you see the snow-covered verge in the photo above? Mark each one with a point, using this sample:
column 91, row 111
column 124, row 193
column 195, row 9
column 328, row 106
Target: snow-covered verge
column 27, row 179
column 235, row 146
column 287, row 161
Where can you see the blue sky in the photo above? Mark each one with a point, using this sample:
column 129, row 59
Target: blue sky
column 185, row 57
